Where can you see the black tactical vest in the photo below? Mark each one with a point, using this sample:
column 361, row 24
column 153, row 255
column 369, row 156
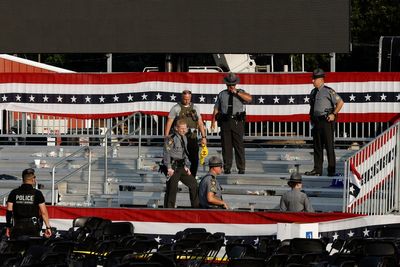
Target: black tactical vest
column 189, row 114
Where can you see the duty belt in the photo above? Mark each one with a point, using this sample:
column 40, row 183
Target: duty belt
column 33, row 220
column 176, row 163
column 241, row 116
column 320, row 118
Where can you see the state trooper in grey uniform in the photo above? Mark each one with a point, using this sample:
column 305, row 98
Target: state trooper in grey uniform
column 210, row 191
column 295, row 200
column 177, row 164
column 191, row 114
column 325, row 105
column 230, row 113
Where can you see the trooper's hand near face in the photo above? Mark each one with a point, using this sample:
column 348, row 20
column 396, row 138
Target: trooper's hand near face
column 232, row 89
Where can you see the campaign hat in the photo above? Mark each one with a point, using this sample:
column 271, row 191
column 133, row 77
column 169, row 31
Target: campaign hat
column 215, row 161
column 295, row 178
column 231, row 79
column 318, row 73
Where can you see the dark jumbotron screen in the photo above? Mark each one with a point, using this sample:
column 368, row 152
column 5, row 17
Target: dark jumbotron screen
column 174, row 26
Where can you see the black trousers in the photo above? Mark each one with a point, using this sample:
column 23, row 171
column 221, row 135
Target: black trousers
column 25, row 228
column 323, row 137
column 172, row 188
column 193, row 151
column 232, row 132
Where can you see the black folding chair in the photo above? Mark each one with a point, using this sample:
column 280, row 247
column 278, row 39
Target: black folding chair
column 117, row 230
column 307, row 245
column 246, row 262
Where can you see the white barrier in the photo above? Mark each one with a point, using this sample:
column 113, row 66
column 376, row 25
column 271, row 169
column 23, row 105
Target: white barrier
column 297, row 230
column 372, row 176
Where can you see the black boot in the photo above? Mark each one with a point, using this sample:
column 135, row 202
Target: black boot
column 312, row 173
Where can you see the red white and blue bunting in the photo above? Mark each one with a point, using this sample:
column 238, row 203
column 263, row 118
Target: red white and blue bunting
column 368, row 97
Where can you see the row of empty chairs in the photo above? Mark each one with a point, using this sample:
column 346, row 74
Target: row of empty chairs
column 94, row 241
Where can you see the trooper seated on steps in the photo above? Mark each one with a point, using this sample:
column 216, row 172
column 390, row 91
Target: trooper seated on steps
column 295, row 200
column 210, row 191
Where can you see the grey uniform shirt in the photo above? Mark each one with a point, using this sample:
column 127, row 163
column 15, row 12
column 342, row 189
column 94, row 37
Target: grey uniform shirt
column 295, row 200
column 209, row 184
column 173, row 149
column 223, row 101
column 325, row 99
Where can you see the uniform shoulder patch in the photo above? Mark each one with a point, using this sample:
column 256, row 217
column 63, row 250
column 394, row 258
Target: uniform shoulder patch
column 331, row 91
column 169, row 142
column 213, row 185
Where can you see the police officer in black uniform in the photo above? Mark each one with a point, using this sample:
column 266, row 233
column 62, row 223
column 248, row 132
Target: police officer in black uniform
column 177, row 166
column 26, row 209
column 325, row 105
column 230, row 114
column 189, row 112
column 210, row 191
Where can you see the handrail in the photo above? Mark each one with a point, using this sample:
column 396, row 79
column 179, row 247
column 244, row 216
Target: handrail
column 382, row 153
column 3, row 197
column 65, row 177
column 53, row 172
column 138, row 129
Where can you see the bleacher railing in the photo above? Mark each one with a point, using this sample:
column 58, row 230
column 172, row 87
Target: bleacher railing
column 88, row 153
column 123, row 126
column 372, row 176
column 30, row 128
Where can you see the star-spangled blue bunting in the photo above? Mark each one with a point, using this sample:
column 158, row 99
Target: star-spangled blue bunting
column 354, row 190
column 361, row 232
column 368, row 97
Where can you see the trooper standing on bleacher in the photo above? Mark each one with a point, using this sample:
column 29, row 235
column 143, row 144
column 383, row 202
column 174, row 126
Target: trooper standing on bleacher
column 325, row 105
column 189, row 112
column 178, row 166
column 26, row 208
column 229, row 112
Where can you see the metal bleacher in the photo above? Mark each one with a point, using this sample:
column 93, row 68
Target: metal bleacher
column 260, row 188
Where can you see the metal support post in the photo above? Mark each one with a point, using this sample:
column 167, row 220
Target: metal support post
column 109, row 62
column 333, row 61
column 88, row 199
